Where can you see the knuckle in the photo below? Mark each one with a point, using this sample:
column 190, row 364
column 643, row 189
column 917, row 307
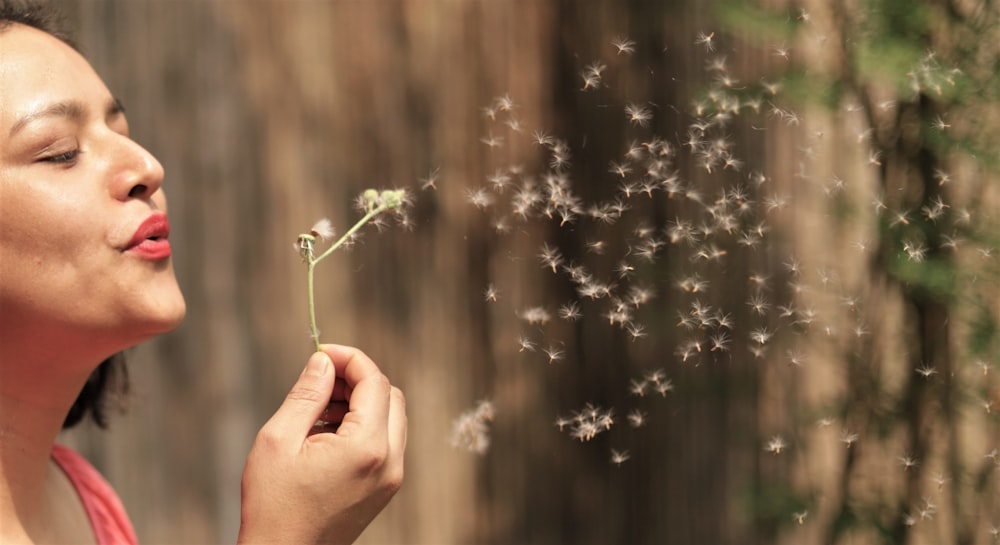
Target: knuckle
column 371, row 459
column 393, row 480
column 382, row 382
column 268, row 439
column 398, row 396
column 307, row 393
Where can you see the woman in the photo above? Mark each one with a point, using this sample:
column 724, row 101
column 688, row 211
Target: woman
column 85, row 272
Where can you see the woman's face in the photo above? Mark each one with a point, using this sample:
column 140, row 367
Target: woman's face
column 83, row 253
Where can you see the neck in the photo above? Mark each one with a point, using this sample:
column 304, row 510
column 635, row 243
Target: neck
column 38, row 384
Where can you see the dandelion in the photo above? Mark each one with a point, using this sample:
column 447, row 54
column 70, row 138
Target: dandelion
column 373, row 203
column 499, row 180
column 570, row 311
column 554, row 354
column 525, row 343
column 619, row 457
column 664, row 387
column 490, row 293
column 550, row 257
column 907, row 462
column 638, row 387
column 656, row 376
column 848, row 438
column 596, row 246
column 800, row 516
column 471, row 430
column 706, row 40
column 623, row 45
column 430, row 182
column 915, row 251
column 536, row 316
column 619, row 169
column 720, row 341
column 492, row 141
column 758, row 303
column 760, row 335
column 503, row 103
column 480, row 198
column 635, row 330
column 796, row 358
column 926, row 371
column 591, row 75
column 638, row 115
column 636, row 418
column 940, row 124
column 776, row 444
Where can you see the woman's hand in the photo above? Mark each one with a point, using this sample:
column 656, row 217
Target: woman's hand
column 303, row 486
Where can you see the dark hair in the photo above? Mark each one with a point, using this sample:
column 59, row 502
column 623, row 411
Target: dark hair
column 111, row 376
column 43, row 16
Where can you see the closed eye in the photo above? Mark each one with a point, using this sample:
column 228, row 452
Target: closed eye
column 62, row 158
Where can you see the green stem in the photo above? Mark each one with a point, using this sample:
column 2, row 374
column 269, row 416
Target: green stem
column 314, row 260
column 312, row 305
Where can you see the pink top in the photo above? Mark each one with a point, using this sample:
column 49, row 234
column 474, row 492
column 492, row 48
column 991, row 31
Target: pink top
column 104, row 509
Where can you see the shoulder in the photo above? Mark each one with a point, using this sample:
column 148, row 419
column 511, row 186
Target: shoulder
column 104, row 509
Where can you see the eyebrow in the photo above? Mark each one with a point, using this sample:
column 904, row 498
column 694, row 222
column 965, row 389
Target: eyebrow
column 73, row 110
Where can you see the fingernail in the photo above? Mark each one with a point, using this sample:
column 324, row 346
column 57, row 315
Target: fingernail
column 318, row 365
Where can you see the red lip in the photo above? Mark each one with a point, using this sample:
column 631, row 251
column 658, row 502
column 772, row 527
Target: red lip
column 150, row 239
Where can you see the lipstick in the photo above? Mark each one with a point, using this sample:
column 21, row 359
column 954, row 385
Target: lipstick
column 150, row 239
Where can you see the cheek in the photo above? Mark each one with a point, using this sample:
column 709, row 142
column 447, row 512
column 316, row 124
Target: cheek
column 47, row 246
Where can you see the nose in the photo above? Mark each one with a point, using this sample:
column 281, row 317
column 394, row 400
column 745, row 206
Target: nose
column 137, row 174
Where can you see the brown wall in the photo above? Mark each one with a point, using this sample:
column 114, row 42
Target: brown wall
column 269, row 115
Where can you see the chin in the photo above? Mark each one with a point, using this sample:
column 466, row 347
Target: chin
column 160, row 313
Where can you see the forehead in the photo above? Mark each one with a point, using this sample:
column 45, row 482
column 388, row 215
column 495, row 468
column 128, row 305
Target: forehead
column 37, row 69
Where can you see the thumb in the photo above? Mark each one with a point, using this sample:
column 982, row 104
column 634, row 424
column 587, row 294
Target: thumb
column 307, row 399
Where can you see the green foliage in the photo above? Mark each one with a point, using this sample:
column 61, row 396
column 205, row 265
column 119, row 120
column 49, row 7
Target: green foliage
column 755, row 22
column 983, row 332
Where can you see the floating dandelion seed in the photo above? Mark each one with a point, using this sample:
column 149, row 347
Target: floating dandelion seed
column 623, row 45
column 907, row 462
column 471, row 430
column 619, row 457
column 430, row 182
column 638, row 387
column 490, row 293
column 664, row 387
column 536, row 316
column 492, row 141
column 800, row 516
column 706, row 40
column 554, row 353
column 776, row 444
column 570, row 311
column 636, row 418
column 638, row 115
column 592, row 75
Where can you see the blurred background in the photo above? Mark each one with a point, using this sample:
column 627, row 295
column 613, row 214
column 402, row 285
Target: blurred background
column 724, row 272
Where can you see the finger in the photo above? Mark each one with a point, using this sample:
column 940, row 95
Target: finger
column 369, row 399
column 351, row 364
column 305, row 402
column 397, row 423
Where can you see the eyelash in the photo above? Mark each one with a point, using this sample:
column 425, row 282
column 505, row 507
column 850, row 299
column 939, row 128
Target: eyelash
column 68, row 157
